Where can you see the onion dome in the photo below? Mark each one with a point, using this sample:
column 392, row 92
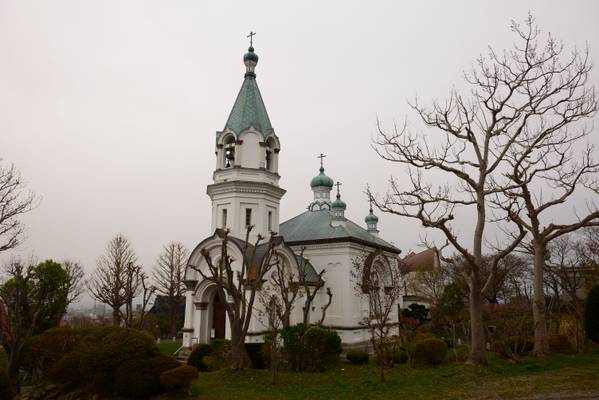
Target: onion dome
column 250, row 55
column 371, row 218
column 338, row 204
column 321, row 180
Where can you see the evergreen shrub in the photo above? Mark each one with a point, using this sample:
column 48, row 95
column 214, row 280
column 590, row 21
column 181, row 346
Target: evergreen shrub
column 429, row 351
column 196, row 356
column 357, row 357
column 178, row 378
column 140, row 378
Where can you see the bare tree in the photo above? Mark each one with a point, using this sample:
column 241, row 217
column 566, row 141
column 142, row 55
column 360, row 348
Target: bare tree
column 239, row 281
column 378, row 282
column 287, row 288
column 544, row 156
column 15, row 200
column 169, row 276
column 108, row 284
column 272, row 310
column 475, row 138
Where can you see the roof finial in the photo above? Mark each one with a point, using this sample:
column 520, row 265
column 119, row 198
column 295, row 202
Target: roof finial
column 251, row 36
column 338, row 184
column 370, row 201
column 321, row 156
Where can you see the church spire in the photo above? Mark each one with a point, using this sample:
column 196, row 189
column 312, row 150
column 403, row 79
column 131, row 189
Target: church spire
column 338, row 207
column 249, row 110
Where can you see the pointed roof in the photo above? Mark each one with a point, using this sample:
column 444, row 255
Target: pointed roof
column 249, row 109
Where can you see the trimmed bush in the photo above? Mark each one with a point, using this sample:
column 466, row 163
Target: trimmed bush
column 357, row 357
column 399, row 357
column 103, row 351
column 255, row 352
column 519, row 345
column 321, row 347
column 591, row 315
column 66, row 370
column 292, row 345
column 211, row 363
column 431, row 351
column 559, row 344
column 41, row 352
column 310, row 348
column 178, row 378
column 196, row 356
column 140, row 378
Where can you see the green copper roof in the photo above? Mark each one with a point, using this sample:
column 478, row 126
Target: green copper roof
column 339, row 204
column 315, row 226
column 249, row 110
column 321, row 180
column 371, row 217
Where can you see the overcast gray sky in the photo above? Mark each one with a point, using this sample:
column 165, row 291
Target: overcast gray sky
column 109, row 108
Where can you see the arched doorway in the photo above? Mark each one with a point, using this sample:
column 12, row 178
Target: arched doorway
column 218, row 317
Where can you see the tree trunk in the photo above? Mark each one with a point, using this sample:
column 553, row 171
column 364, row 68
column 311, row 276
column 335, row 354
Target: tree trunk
column 273, row 359
column 541, row 345
column 477, row 332
column 307, row 314
column 13, row 371
column 116, row 317
column 237, row 347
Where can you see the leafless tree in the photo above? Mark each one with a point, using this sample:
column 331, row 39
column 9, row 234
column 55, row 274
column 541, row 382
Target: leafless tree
column 476, row 139
column 15, row 200
column 169, row 276
column 287, row 288
column 272, row 310
column 108, row 284
column 378, row 282
column 545, row 168
column 238, row 281
column 429, row 284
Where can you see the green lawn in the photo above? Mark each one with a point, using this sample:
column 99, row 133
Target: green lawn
column 168, row 347
column 566, row 374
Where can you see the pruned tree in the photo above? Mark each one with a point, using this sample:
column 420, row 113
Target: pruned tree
column 32, row 299
column 108, row 284
column 377, row 281
column 237, row 283
column 272, row 310
column 545, row 168
column 15, row 201
column 287, row 287
column 169, row 275
column 310, row 290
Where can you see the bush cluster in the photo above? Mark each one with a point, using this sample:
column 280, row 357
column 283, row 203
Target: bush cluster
column 310, row 347
column 106, row 359
column 3, row 384
column 197, row 354
column 179, row 378
column 357, row 357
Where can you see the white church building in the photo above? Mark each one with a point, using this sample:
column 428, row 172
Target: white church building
column 245, row 191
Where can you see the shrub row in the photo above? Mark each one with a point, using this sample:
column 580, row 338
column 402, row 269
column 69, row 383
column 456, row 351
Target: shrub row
column 310, row 347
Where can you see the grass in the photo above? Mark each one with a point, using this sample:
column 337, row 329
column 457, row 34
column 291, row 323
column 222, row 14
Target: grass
column 168, row 347
column 501, row 379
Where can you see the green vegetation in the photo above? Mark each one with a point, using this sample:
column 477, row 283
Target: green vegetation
column 168, row 347
column 555, row 374
column 591, row 315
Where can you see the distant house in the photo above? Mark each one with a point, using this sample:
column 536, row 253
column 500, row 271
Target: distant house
column 161, row 306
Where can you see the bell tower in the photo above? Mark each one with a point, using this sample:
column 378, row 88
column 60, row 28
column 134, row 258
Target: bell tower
column 246, row 179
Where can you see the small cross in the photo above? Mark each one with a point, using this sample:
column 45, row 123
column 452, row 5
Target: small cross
column 370, row 201
column 321, row 156
column 338, row 184
column 251, row 36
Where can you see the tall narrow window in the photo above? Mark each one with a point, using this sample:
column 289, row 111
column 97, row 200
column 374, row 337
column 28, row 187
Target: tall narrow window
column 229, row 160
column 248, row 217
column 270, row 221
column 224, row 219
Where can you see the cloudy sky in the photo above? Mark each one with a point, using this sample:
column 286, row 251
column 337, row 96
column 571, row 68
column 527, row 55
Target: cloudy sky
column 109, row 108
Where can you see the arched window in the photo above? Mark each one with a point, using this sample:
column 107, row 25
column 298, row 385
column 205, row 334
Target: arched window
column 270, row 147
column 229, row 159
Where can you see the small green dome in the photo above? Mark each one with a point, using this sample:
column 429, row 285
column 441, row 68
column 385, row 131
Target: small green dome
column 338, row 204
column 321, row 180
column 250, row 55
column 371, row 218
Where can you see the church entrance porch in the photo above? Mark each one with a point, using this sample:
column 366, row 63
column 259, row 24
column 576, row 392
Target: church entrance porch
column 209, row 317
